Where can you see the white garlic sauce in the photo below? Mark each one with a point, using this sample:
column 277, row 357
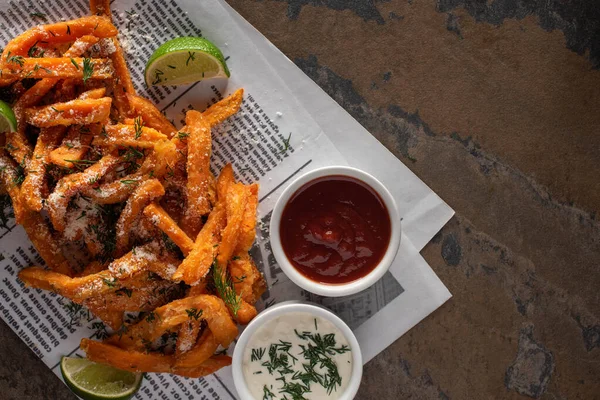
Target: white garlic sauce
column 279, row 332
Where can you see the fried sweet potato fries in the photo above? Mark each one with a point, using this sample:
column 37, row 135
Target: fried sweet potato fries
column 122, row 206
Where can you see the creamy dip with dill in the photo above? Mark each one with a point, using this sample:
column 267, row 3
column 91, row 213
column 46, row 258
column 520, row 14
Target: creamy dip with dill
column 297, row 356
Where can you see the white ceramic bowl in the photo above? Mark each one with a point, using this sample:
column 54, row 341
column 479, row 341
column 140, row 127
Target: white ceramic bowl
column 344, row 289
column 292, row 307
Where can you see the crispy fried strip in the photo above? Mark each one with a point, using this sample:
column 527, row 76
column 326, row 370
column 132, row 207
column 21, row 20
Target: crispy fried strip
column 158, row 216
column 61, row 32
column 141, row 196
column 247, row 280
column 128, row 360
column 70, row 185
column 248, row 228
column 70, row 113
column 143, row 258
column 237, row 197
column 31, row 189
column 122, row 85
column 156, row 165
column 246, row 313
column 128, row 135
column 140, row 361
column 175, row 313
column 224, row 109
column 150, row 115
column 60, row 67
column 75, row 145
column 202, row 351
column 198, row 172
column 131, row 274
column 197, row 264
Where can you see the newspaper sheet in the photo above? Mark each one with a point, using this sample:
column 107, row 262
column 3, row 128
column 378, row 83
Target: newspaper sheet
column 278, row 135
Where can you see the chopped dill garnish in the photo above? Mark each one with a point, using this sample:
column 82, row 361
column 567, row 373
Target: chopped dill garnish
column 138, row 124
column 88, row 69
column 194, row 313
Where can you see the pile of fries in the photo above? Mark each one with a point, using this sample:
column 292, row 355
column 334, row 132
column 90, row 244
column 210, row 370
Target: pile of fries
column 122, row 206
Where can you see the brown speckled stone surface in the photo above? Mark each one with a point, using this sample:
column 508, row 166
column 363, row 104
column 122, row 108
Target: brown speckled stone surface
column 496, row 106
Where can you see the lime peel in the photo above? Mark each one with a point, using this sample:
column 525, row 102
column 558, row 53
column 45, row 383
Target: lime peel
column 94, row 381
column 185, row 60
column 8, row 121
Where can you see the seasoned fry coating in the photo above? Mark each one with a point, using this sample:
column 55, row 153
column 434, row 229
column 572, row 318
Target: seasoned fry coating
column 74, row 112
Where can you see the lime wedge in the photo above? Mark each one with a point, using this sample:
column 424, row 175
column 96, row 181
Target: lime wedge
column 8, row 121
column 93, row 381
column 185, row 60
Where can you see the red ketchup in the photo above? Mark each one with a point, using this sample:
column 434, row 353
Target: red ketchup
column 335, row 229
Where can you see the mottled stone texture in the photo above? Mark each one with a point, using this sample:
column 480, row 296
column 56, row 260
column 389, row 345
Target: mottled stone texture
column 496, row 106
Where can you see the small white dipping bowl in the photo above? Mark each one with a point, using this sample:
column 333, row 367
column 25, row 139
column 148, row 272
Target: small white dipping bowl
column 294, row 307
column 342, row 289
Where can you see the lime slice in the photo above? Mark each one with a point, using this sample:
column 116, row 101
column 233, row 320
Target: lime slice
column 93, row 381
column 8, row 121
column 185, row 60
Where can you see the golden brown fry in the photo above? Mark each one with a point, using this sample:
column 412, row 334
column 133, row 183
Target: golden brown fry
column 197, row 264
column 237, row 197
column 75, row 145
column 131, row 271
column 128, row 360
column 225, row 180
column 177, row 312
column 129, row 135
column 145, row 193
column 141, row 361
column 248, row 227
column 198, row 353
column 224, row 109
column 247, row 279
column 61, row 32
column 61, row 67
column 33, row 185
column 158, row 216
column 150, row 115
column 246, row 313
column 70, row 113
column 72, row 184
column 198, row 172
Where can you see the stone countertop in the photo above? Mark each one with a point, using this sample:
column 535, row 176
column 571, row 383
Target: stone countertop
column 496, row 106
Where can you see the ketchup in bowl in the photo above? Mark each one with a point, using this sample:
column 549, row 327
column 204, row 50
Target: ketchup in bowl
column 335, row 229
